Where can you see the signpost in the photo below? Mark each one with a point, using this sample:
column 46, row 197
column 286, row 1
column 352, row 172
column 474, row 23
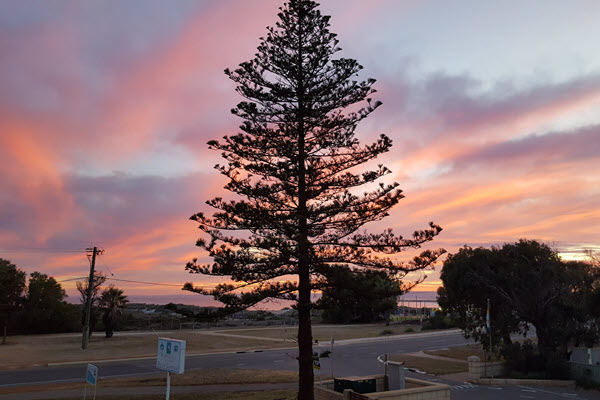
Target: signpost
column 91, row 377
column 170, row 357
column 331, row 341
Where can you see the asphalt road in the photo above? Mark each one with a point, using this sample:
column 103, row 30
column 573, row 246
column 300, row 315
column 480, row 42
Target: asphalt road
column 350, row 358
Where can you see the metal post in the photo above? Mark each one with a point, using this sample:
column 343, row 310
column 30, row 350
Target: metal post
column 332, row 357
column 168, row 385
column 386, row 378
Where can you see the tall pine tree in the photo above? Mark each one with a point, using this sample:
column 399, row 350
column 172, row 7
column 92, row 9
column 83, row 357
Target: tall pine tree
column 294, row 165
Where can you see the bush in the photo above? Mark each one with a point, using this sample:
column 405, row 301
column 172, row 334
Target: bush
column 523, row 360
column 438, row 321
column 522, row 357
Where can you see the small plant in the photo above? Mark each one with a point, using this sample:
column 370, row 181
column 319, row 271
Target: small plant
column 409, row 330
column 386, row 332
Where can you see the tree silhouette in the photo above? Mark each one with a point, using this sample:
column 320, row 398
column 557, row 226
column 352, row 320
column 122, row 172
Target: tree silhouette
column 295, row 164
column 82, row 288
column 12, row 285
column 112, row 302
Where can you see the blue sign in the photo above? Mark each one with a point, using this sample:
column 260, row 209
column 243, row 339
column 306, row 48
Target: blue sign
column 91, row 376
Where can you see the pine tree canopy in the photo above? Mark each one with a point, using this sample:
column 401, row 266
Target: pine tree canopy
column 302, row 199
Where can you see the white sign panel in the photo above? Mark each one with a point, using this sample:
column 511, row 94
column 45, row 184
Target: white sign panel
column 92, row 374
column 171, row 355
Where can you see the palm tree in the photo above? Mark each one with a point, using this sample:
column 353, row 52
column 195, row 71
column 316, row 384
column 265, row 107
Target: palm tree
column 112, row 302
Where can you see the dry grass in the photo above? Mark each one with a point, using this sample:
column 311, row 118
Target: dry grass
column 207, row 376
column 36, row 350
column 323, row 333
column 463, row 352
column 431, row 365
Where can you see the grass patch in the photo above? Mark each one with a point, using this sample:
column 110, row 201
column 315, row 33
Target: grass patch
column 463, row 352
column 256, row 395
column 37, row 350
column 431, row 365
column 206, row 376
column 323, row 333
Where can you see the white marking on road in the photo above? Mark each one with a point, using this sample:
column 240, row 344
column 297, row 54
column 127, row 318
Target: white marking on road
column 528, row 390
column 495, row 388
column 568, row 395
column 239, row 365
column 346, row 355
column 278, row 361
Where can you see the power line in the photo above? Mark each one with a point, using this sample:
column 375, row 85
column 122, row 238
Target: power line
column 146, row 283
column 40, row 250
column 73, row 279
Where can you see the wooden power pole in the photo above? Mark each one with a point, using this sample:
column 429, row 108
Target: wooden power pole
column 88, row 303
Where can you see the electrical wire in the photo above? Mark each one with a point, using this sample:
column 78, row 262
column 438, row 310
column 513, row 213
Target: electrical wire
column 146, row 283
column 40, row 250
column 73, row 279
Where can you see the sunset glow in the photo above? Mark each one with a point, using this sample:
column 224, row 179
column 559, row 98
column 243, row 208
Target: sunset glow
column 106, row 108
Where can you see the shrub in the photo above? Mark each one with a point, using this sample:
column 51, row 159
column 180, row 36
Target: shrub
column 438, row 321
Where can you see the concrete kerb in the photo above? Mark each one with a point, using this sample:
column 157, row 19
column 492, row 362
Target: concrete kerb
column 526, row 382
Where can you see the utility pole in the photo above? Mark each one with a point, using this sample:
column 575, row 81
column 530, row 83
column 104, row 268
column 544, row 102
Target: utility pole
column 88, row 303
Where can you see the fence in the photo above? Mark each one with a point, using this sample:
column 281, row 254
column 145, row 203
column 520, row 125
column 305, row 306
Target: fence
column 585, row 372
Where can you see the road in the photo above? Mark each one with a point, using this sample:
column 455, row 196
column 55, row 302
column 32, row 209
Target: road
column 350, row 358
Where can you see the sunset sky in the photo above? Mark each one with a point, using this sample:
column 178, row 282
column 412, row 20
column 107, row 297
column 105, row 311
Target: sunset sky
column 106, row 108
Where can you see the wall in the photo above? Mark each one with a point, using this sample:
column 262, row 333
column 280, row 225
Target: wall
column 481, row 369
column 417, row 390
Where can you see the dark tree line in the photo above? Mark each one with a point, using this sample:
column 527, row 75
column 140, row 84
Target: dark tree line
column 37, row 304
column 295, row 164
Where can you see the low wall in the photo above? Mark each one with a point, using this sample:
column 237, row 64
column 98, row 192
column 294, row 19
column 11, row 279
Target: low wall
column 480, row 369
column 416, row 389
column 585, row 372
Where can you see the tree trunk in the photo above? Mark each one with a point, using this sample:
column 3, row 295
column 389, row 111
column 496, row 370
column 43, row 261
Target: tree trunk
column 305, row 368
column 4, row 336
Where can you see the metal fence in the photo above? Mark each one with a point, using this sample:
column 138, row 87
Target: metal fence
column 585, row 372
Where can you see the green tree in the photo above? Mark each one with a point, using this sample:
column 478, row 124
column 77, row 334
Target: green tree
column 359, row 296
column 112, row 302
column 82, row 288
column 527, row 283
column 12, row 285
column 295, row 163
